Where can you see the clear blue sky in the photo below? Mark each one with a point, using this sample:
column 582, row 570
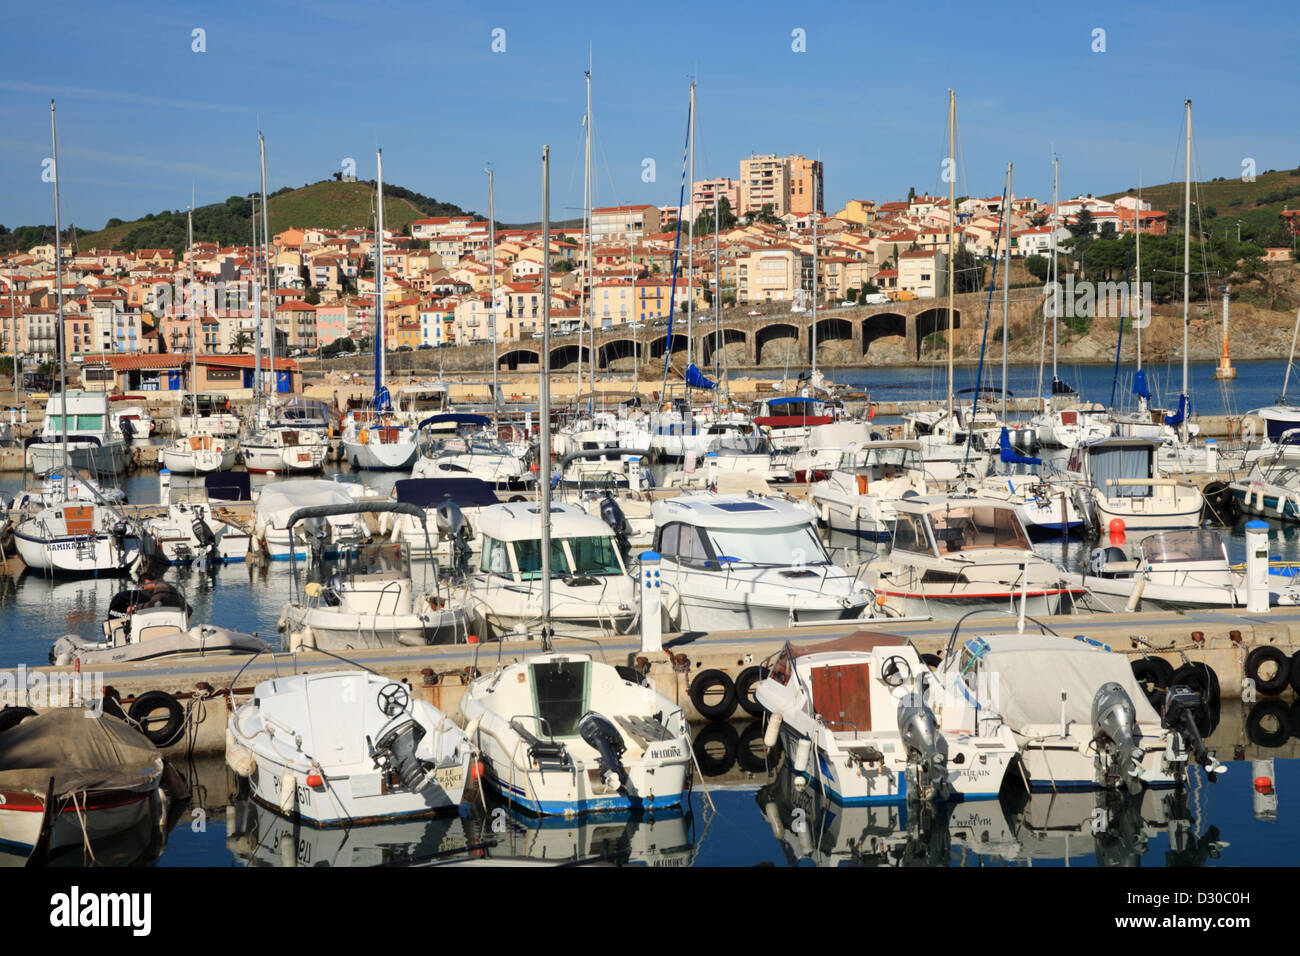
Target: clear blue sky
column 141, row 115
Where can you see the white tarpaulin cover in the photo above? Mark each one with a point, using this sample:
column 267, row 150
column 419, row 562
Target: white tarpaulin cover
column 1033, row 670
column 280, row 500
column 80, row 752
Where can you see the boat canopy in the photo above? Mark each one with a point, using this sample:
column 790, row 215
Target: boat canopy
column 353, row 508
column 1010, row 456
column 229, row 486
column 78, row 753
column 280, row 500
column 456, row 418
column 1197, row 544
column 695, row 378
column 431, row 492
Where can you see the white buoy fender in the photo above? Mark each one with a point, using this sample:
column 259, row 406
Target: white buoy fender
column 288, row 793
column 239, row 757
column 802, row 751
column 773, row 732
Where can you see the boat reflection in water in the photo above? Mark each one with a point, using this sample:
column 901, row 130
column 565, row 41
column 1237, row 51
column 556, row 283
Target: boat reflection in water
column 513, row 837
column 1022, row 829
column 257, row 836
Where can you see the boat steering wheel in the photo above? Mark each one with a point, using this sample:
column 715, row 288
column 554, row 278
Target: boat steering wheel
column 393, row 699
column 896, row 671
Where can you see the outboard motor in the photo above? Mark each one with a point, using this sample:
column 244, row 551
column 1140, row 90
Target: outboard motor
column 1083, row 504
column 1115, row 731
column 202, row 533
column 613, row 516
column 127, row 429
column 1182, row 706
column 598, row 732
column 395, row 753
column 64, row 651
column 927, row 748
column 317, row 532
column 1101, row 557
column 450, row 519
column 119, row 536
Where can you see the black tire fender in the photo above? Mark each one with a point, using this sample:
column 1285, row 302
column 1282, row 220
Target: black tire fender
column 751, row 755
column 745, row 682
column 1157, row 672
column 145, row 705
column 1295, row 672
column 1267, row 652
column 13, row 716
column 713, row 764
column 1280, row 712
column 705, row 680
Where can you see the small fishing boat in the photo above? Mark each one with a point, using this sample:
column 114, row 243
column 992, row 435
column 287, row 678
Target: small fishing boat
column 194, row 532
column 199, row 455
column 590, row 585
column 857, row 498
column 346, row 748
column 151, row 623
column 952, row 554
column 742, row 562
column 71, row 775
column 371, row 601
column 853, row 717
column 78, row 539
column 277, row 502
column 562, row 734
column 1078, row 715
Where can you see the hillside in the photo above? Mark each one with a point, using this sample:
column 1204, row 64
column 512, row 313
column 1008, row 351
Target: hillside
column 328, row 204
column 1225, row 201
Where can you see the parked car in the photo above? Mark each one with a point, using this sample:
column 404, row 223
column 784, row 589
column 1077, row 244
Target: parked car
column 875, row 298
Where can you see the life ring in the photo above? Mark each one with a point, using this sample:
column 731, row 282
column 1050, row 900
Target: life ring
column 715, row 749
column 1272, row 685
column 1152, row 675
column 146, row 704
column 1274, row 712
column 706, row 681
column 745, row 682
column 1200, row 678
column 752, row 755
column 13, row 716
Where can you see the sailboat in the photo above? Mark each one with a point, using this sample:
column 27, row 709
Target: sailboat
column 373, row 438
column 69, row 536
column 197, row 453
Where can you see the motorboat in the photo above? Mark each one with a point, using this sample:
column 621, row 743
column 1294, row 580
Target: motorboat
column 856, row 724
column 468, row 451
column 1272, row 487
column 590, row 586
column 193, row 532
column 199, row 454
column 1078, row 715
column 87, row 773
column 277, row 502
column 142, row 424
column 78, row 539
column 952, row 554
column 93, row 443
column 1044, row 507
column 857, row 498
column 1173, row 570
column 377, row 441
column 152, row 623
column 282, row 451
column 1068, row 427
column 740, row 562
column 207, row 413
column 451, row 509
column 1125, row 484
column 563, row 734
column 81, row 487
column 347, row 748
column 370, row 600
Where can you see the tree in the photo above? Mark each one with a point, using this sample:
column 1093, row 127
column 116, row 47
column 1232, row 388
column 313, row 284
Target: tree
column 312, row 297
column 726, row 217
column 240, row 342
column 1039, row 267
column 563, row 265
column 968, row 274
column 851, row 295
column 911, row 193
column 1038, row 219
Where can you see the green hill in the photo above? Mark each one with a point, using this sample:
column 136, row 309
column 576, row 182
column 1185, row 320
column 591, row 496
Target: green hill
column 1225, row 201
column 329, row 204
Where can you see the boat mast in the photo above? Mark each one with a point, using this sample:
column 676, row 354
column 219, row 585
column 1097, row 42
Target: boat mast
column 591, row 316
column 584, row 305
column 257, row 320
column 636, row 348
column 717, row 296
column 270, row 286
column 1056, row 275
column 690, row 276
column 58, row 283
column 492, row 289
column 813, row 372
column 380, row 331
column 1187, row 247
column 13, row 325
column 1006, row 293
column 544, row 404
column 194, row 339
column 1286, row 379
column 1141, row 305
column 952, row 232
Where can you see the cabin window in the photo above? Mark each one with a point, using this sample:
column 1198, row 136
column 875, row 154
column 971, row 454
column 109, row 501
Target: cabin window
column 777, row 547
column 528, row 556
column 957, row 529
column 495, row 559
column 909, row 535
column 598, row 556
column 1121, row 462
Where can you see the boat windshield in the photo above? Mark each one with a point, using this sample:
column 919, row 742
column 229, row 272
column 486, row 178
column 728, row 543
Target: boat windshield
column 377, row 559
column 883, row 459
column 596, row 556
column 796, row 546
column 980, row 526
column 1171, row 546
column 560, row 690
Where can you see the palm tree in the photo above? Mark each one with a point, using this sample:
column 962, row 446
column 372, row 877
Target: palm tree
column 241, row 342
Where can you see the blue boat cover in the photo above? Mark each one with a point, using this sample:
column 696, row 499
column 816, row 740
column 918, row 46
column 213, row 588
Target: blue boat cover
column 789, row 400
column 1176, row 419
column 459, row 418
column 1010, row 455
column 1140, row 385
column 431, row 492
column 696, row 379
column 228, row 486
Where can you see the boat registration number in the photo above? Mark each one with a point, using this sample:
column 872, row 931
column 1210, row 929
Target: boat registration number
column 449, row 778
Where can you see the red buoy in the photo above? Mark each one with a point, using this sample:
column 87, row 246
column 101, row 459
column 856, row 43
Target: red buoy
column 476, row 770
column 472, row 639
column 315, row 781
column 1263, row 785
column 1116, row 526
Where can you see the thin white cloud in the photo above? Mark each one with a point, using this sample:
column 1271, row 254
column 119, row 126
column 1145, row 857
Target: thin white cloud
column 120, row 96
column 123, row 159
